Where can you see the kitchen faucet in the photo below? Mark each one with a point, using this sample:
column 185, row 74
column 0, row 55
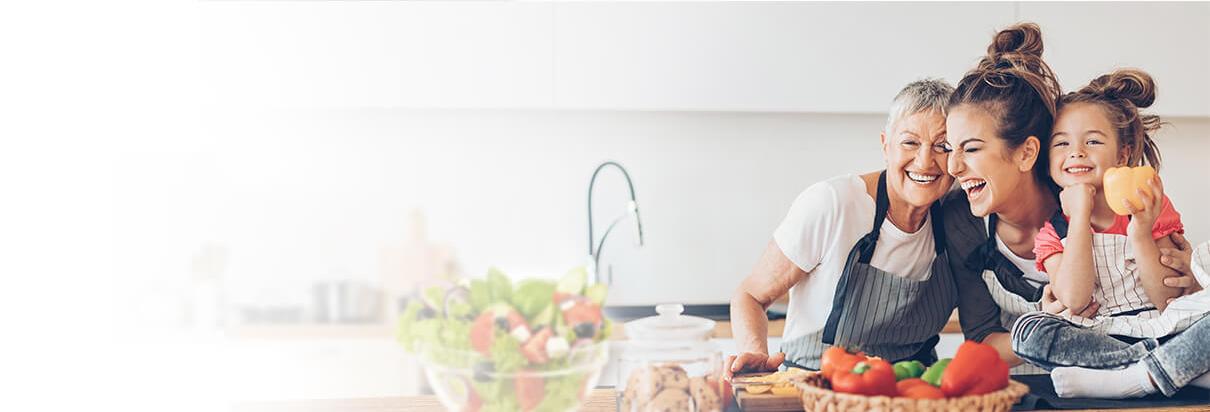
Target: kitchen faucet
column 632, row 208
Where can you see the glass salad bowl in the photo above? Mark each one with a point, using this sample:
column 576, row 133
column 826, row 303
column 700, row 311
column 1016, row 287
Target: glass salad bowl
column 468, row 381
column 490, row 345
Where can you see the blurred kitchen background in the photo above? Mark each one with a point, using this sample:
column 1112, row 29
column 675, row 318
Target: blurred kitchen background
column 351, row 151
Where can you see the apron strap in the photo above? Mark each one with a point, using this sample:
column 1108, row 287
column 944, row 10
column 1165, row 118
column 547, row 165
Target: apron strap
column 935, row 212
column 861, row 252
column 882, row 204
column 988, row 257
column 1060, row 223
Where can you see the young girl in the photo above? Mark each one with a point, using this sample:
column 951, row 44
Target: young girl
column 1091, row 254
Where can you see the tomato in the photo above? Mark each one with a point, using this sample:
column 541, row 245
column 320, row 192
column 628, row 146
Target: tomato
column 530, row 390
column 924, row 391
column 871, row 377
column 535, row 348
column 903, row 385
column 483, row 330
column 837, row 358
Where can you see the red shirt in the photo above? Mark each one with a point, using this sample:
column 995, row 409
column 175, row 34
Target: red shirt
column 1047, row 243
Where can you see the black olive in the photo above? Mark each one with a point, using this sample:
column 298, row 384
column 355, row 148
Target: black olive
column 481, row 370
column 585, row 330
column 426, row 313
column 502, row 323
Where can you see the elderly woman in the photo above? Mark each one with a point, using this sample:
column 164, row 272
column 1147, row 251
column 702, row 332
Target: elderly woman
column 1000, row 120
column 862, row 256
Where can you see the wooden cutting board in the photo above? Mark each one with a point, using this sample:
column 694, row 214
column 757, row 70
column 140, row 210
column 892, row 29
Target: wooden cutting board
column 764, row 402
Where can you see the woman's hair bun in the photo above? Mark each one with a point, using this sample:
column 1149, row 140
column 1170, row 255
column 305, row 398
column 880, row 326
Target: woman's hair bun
column 1021, row 38
column 1133, row 85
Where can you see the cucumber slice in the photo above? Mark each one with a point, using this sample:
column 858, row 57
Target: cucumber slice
column 573, row 282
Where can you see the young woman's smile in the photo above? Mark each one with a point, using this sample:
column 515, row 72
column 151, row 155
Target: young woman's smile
column 982, row 163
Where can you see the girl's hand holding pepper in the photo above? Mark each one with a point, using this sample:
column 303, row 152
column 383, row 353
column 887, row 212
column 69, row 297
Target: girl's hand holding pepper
column 1142, row 220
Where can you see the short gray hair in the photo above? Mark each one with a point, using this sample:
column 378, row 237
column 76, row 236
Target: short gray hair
column 926, row 95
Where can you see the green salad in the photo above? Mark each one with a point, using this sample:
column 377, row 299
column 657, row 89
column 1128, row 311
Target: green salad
column 527, row 346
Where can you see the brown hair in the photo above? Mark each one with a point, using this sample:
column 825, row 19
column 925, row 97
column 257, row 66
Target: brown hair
column 1013, row 84
column 1121, row 94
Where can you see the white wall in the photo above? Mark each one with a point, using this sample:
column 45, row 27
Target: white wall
column 746, row 56
column 719, row 110
column 304, row 195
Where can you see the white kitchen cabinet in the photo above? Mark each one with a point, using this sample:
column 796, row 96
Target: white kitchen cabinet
column 1171, row 41
column 762, row 57
column 376, row 54
column 748, row 57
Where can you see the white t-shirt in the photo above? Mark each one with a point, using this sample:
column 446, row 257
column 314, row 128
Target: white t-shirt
column 1027, row 266
column 822, row 226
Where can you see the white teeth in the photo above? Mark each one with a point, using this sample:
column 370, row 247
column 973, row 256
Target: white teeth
column 971, row 184
column 919, row 178
column 1078, row 169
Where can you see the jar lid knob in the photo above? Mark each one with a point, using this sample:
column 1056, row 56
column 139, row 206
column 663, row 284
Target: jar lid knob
column 669, row 309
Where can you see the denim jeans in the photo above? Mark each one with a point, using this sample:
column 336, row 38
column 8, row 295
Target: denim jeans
column 1050, row 341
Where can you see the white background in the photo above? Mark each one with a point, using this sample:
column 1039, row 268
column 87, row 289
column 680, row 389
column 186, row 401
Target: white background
column 299, row 135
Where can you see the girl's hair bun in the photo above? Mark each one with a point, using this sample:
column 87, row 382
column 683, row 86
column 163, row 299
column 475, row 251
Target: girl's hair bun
column 1133, row 85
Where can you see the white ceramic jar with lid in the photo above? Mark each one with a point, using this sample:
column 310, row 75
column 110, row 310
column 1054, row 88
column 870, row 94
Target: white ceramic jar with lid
column 669, row 363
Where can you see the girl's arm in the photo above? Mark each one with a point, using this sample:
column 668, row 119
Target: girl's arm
column 1072, row 274
column 1147, row 249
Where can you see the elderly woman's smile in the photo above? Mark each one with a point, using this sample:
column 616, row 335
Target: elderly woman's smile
column 916, row 158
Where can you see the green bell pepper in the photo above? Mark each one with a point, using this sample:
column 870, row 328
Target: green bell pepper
column 908, row 369
column 933, row 374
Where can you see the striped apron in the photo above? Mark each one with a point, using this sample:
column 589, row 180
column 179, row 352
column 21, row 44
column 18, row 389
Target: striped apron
column 1125, row 309
column 1007, row 285
column 877, row 312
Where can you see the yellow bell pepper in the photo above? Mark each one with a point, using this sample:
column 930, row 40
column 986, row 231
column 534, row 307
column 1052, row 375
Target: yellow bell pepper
column 1122, row 182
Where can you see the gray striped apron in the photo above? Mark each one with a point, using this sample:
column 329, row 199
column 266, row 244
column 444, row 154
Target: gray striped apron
column 877, row 312
column 1125, row 308
column 1007, row 285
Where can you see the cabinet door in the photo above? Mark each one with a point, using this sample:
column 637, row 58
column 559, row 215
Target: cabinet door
column 815, row 57
column 376, row 54
column 1169, row 40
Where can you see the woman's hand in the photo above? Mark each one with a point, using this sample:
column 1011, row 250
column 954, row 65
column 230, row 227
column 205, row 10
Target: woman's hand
column 752, row 362
column 1051, row 304
column 1077, row 200
column 1179, row 260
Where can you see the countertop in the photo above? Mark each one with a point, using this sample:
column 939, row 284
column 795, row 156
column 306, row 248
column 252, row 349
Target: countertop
column 600, row 400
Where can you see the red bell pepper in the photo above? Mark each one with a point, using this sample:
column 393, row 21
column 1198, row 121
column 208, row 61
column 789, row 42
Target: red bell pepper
column 921, row 391
column 871, row 377
column 976, row 369
column 837, row 358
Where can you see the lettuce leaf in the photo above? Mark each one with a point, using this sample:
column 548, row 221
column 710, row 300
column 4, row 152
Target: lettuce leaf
column 506, row 352
column 481, row 295
column 532, row 296
column 499, row 287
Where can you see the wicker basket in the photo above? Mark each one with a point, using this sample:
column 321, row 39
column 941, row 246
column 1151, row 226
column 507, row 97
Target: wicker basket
column 817, row 395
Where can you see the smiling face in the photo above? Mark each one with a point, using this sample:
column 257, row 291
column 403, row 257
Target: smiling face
column 988, row 170
column 915, row 155
column 1084, row 145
